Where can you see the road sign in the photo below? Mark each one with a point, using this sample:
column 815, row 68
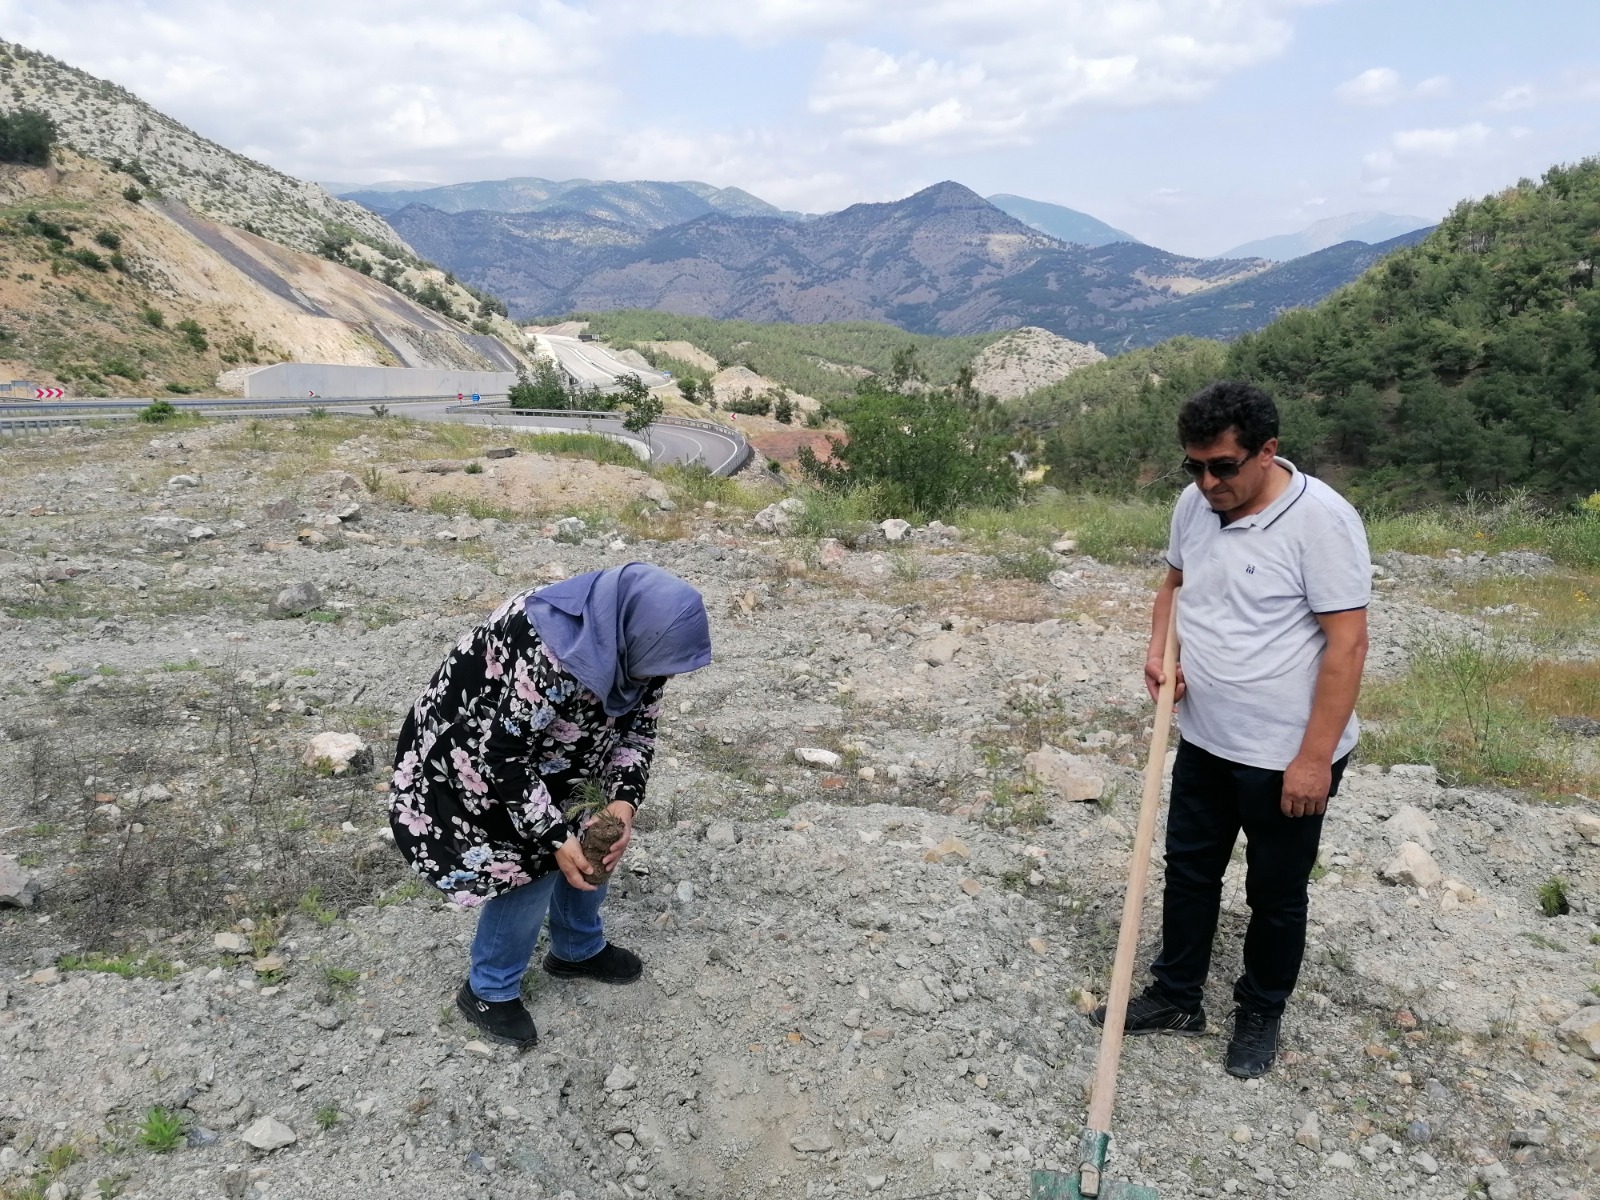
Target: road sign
column 48, row 393
column 476, row 397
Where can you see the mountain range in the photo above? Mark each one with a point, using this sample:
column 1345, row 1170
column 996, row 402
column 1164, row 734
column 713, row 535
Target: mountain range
column 1369, row 227
column 647, row 204
column 1065, row 224
column 943, row 260
column 1249, row 304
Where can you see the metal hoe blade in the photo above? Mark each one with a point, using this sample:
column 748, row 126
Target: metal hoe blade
column 1090, row 1182
column 1050, row 1185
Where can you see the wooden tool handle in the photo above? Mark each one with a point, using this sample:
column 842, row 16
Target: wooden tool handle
column 1105, row 1071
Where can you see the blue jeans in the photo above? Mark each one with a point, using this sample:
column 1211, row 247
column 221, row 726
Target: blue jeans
column 508, row 930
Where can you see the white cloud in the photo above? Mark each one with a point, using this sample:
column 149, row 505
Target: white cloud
column 363, row 89
column 1383, row 85
column 353, row 88
column 1441, row 143
column 1515, row 99
column 1010, row 70
column 1376, row 85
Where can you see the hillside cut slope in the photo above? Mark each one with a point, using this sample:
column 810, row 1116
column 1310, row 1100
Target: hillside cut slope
column 105, row 296
column 941, row 261
column 111, row 123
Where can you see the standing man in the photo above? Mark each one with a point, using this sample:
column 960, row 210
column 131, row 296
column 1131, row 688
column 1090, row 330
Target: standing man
column 1272, row 631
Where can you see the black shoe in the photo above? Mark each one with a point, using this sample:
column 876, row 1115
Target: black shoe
column 1152, row 1012
column 1254, row 1044
column 611, row 965
column 505, row 1021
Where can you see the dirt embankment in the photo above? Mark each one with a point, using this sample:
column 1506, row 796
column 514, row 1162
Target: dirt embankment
column 109, row 295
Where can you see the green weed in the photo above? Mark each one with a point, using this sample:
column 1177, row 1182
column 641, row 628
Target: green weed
column 1477, row 711
column 311, row 905
column 327, row 1117
column 341, row 979
column 1553, row 897
column 161, row 1131
column 143, row 967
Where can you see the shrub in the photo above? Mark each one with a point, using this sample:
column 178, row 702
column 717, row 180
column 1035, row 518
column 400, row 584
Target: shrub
column 194, row 333
column 27, row 136
column 1553, row 897
column 153, row 317
column 158, row 411
column 109, row 240
column 783, row 410
column 926, row 453
column 546, row 388
column 132, row 194
column 749, row 404
column 86, row 257
column 119, row 366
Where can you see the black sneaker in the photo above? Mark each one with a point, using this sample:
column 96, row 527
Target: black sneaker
column 1254, row 1044
column 611, row 965
column 1151, row 1012
column 505, row 1021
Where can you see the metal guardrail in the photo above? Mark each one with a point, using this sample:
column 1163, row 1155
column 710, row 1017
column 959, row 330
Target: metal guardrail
column 742, row 455
column 134, row 403
column 30, row 417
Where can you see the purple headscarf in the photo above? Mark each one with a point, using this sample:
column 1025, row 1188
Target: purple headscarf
column 617, row 630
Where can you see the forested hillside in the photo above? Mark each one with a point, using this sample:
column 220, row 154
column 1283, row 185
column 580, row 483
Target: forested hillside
column 824, row 361
column 1469, row 361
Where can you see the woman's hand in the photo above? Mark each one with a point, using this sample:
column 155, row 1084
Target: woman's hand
column 573, row 864
column 622, row 811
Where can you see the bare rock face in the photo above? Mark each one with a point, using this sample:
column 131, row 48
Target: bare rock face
column 1026, row 359
column 1414, row 867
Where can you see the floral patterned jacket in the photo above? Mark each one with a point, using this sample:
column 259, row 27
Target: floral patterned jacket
column 492, row 751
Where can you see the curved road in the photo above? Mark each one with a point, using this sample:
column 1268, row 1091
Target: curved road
column 720, row 452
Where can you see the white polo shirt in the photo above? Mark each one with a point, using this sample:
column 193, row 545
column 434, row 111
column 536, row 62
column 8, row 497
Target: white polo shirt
column 1247, row 617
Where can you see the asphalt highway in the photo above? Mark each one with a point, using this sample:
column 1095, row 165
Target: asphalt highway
column 720, row 452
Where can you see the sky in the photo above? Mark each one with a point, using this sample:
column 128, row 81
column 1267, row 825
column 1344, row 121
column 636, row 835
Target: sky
column 1192, row 124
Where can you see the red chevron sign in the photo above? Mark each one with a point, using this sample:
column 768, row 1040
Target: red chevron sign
column 48, row 393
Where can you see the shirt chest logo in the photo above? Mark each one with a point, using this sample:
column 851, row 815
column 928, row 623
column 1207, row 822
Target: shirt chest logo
column 1250, row 570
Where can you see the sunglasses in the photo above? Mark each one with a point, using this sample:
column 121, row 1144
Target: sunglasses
column 1220, row 468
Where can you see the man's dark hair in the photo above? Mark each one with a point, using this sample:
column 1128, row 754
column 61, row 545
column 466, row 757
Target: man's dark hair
column 1224, row 405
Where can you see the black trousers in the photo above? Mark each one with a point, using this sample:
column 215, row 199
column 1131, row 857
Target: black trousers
column 1212, row 800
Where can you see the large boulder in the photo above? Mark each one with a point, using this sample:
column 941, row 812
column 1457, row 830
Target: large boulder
column 337, row 754
column 1411, row 824
column 780, row 518
column 269, row 1133
column 296, row 600
column 1413, row 866
column 1065, row 773
column 18, row 888
column 1581, row 1032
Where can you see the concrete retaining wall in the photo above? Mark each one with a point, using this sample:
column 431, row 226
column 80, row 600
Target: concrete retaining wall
column 285, row 381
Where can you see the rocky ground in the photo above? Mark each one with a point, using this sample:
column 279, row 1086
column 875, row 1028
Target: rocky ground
column 867, row 964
